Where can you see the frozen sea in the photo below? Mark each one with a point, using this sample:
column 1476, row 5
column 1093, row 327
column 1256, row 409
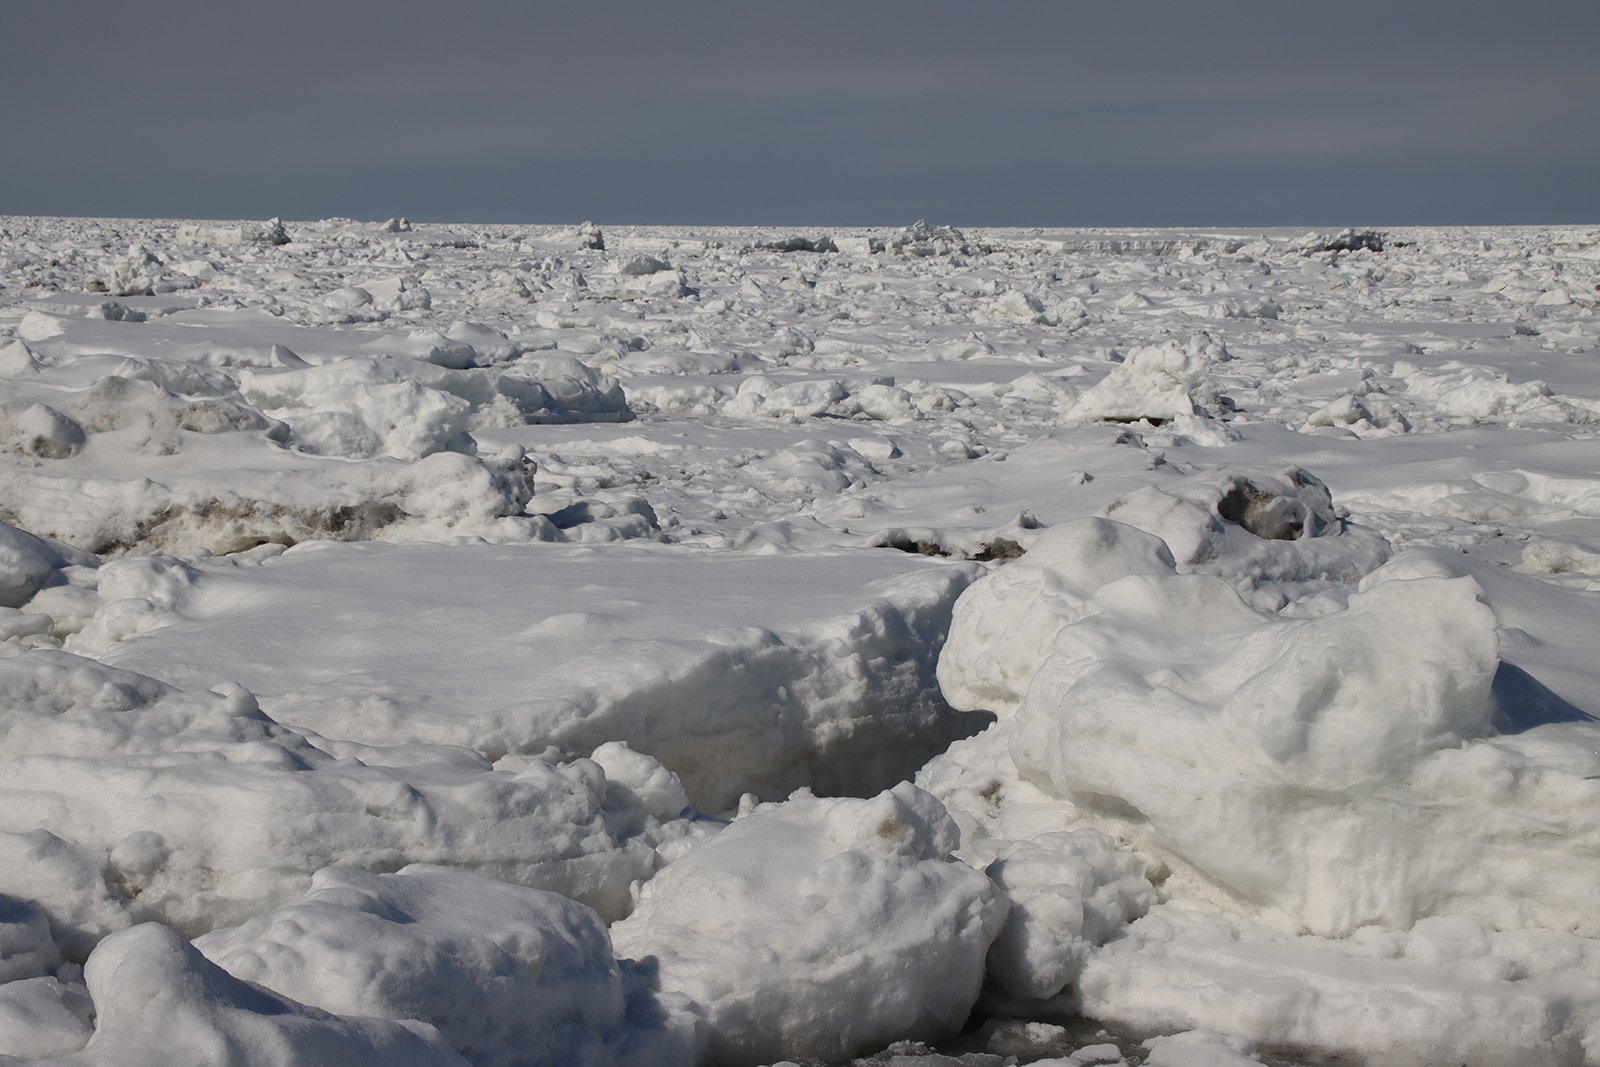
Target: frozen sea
column 547, row 645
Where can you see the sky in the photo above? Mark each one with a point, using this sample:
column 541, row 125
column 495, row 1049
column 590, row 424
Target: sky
column 823, row 113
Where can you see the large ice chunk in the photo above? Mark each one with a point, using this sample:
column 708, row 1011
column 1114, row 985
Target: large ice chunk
column 820, row 927
column 508, row 975
column 1224, row 737
column 1158, row 383
column 160, row 1003
column 198, row 810
column 1004, row 626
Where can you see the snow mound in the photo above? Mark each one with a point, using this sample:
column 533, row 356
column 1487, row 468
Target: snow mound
column 160, row 1003
column 42, row 1018
column 193, row 795
column 271, row 232
column 1170, row 712
column 1143, row 702
column 18, row 361
column 1272, row 531
column 507, row 975
column 1464, row 391
column 1158, row 384
column 29, row 564
column 1365, row 416
column 441, row 496
column 1004, row 626
column 35, row 429
column 821, row 927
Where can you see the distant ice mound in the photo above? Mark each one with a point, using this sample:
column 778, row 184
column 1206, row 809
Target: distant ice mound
column 1157, row 384
column 410, row 408
column 920, row 239
column 271, row 232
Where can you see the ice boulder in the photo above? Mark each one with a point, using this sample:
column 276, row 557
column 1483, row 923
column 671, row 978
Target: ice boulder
column 160, row 1003
column 44, row 1017
column 18, row 361
column 1179, row 717
column 817, row 928
column 362, row 406
column 1004, row 626
column 1160, row 383
column 1070, row 893
column 578, row 393
column 35, row 429
column 26, row 948
column 1367, row 416
column 508, row 975
column 760, row 395
column 400, row 293
column 489, row 343
column 29, row 563
column 646, row 782
column 127, row 799
column 640, row 263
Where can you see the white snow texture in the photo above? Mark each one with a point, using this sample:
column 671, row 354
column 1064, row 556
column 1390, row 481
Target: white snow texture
column 541, row 646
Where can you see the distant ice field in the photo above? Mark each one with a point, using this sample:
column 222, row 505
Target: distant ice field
column 620, row 645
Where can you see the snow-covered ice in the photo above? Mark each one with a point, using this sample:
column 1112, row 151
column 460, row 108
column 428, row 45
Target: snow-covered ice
column 619, row 645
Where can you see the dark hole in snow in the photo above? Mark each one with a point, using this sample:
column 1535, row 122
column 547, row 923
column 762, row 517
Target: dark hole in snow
column 1001, row 548
column 799, row 244
column 1153, row 420
column 921, row 548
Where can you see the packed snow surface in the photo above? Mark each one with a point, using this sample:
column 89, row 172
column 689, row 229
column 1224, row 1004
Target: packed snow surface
column 552, row 645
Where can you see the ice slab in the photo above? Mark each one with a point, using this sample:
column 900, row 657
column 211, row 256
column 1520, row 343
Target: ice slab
column 740, row 671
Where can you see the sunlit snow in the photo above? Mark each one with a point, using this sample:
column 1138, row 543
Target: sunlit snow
column 622, row 646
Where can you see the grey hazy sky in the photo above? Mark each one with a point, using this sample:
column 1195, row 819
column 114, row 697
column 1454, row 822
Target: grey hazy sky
column 1122, row 112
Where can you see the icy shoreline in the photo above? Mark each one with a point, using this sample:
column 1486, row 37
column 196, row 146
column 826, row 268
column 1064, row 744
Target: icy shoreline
column 541, row 645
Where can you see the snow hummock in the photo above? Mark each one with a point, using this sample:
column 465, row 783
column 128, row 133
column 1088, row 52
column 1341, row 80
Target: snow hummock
column 820, row 928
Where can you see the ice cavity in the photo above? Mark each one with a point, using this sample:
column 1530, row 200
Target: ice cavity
column 1335, row 768
column 817, row 928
